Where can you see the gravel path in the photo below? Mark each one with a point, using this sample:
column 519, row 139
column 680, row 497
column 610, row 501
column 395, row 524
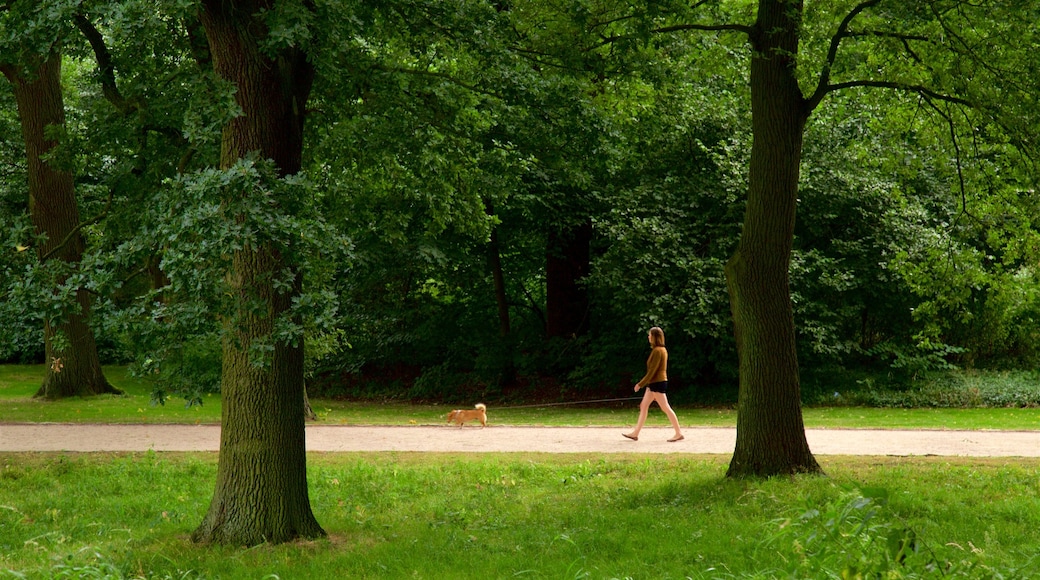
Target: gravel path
column 501, row 438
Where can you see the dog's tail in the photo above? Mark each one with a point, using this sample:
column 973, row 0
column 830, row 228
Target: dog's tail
column 480, row 406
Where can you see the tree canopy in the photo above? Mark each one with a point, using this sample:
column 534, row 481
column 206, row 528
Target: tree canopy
column 496, row 199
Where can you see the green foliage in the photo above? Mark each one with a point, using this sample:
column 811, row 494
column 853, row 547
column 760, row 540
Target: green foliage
column 432, row 124
column 190, row 371
column 916, row 358
column 860, row 535
column 180, row 325
column 938, row 389
column 31, row 30
column 20, row 311
column 39, row 294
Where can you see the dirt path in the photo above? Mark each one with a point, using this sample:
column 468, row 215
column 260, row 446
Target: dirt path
column 500, row 438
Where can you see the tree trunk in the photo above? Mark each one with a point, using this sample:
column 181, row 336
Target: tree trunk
column 507, row 376
column 74, row 368
column 567, row 264
column 261, row 488
column 498, row 276
column 770, row 431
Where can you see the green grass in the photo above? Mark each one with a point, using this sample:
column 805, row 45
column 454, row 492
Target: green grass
column 396, row 515
column 19, row 383
column 392, row 515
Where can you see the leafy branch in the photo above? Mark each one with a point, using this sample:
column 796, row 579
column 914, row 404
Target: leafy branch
column 907, row 87
column 74, row 231
column 742, row 28
column 439, row 75
column 824, row 85
column 107, row 77
column 106, row 70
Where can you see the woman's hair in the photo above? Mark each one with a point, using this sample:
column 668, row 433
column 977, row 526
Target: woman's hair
column 656, row 336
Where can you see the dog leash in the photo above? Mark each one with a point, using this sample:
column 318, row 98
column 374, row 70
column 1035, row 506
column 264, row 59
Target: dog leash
column 568, row 403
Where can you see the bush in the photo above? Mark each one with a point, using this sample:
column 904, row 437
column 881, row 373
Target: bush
column 859, row 535
column 960, row 389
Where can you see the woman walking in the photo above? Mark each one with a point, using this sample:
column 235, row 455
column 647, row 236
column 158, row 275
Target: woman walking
column 656, row 383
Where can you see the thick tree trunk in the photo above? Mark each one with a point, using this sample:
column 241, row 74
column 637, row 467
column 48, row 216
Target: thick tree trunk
column 261, row 489
column 770, row 432
column 74, row 368
column 566, row 266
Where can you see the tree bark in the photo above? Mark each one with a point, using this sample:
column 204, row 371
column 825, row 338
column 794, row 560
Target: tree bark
column 498, row 277
column 261, row 489
column 74, row 368
column 770, row 431
column 507, row 373
column 566, row 265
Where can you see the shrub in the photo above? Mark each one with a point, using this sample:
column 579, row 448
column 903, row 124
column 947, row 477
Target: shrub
column 858, row 535
column 961, row 389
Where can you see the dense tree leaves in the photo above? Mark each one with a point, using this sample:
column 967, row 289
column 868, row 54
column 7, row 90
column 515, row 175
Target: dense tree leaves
column 911, row 247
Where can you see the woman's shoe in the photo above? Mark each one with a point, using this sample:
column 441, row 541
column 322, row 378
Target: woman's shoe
column 632, row 437
column 676, row 438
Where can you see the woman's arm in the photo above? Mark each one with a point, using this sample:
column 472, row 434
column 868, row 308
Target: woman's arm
column 653, row 364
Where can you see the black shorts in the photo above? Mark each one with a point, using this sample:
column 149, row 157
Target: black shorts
column 661, row 387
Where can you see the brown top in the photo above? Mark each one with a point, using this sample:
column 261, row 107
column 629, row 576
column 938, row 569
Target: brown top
column 656, row 367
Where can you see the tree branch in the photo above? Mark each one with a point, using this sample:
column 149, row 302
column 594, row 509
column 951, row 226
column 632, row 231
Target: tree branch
column 106, row 69
column 442, row 76
column 919, row 89
column 823, row 85
column 80, row 226
column 706, row 28
column 197, row 43
column 678, row 28
column 541, row 59
column 957, row 156
column 886, row 34
column 610, row 21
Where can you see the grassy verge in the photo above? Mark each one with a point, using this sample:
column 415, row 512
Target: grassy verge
column 18, row 383
column 530, row 516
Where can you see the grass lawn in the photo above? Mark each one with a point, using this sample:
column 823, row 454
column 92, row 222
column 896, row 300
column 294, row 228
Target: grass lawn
column 524, row 515
column 19, row 383
column 397, row 515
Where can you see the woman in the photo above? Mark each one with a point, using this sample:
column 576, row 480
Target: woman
column 656, row 383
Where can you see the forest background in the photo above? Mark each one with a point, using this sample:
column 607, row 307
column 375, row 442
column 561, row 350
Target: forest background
column 496, row 200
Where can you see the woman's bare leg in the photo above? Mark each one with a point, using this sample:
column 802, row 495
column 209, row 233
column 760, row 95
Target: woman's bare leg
column 644, row 408
column 662, row 401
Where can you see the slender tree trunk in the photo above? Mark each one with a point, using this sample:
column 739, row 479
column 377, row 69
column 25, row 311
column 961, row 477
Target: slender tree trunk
column 567, row 264
column 501, row 298
column 498, row 277
column 508, row 369
column 770, row 431
column 261, row 488
column 74, row 368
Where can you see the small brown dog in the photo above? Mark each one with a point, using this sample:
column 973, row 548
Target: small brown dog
column 478, row 414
